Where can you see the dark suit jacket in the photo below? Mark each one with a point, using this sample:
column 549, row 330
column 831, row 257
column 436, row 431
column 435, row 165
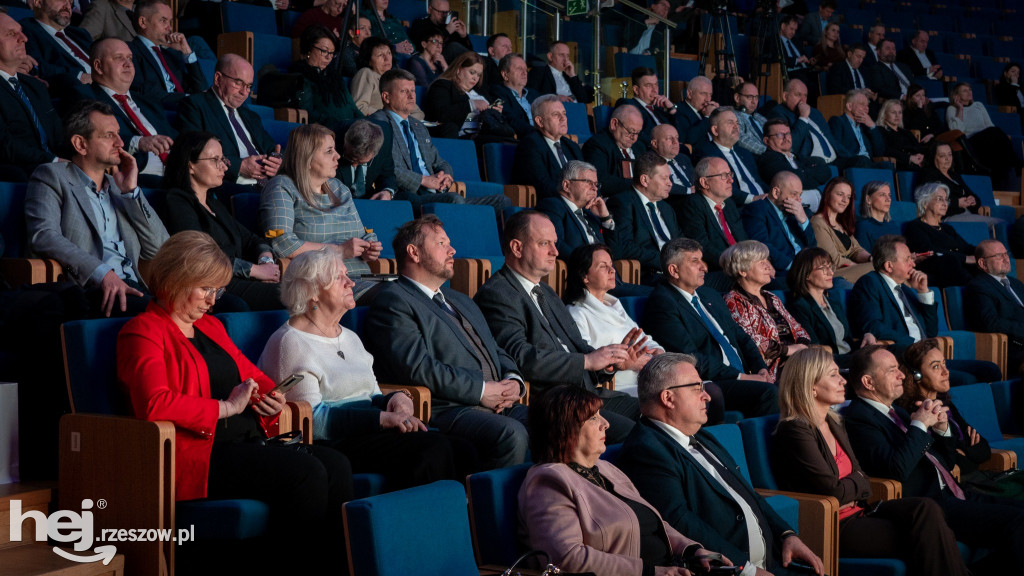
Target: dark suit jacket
column 761, row 221
column 843, row 132
column 692, row 127
column 809, row 32
column 1006, row 95
column 874, row 309
column 534, row 164
column 908, row 57
column 690, row 499
column 802, row 461
column 203, row 112
column 886, row 451
column 813, row 172
column 699, row 222
column 380, row 172
column 125, row 128
column 149, row 77
column 990, row 308
column 709, row 148
column 884, row 81
column 803, row 143
column 869, row 57
column 418, row 343
column 635, row 236
column 601, row 151
column 540, row 81
column 686, row 165
column 568, row 227
column 839, row 79
column 54, row 61
column 806, row 311
column 649, row 124
column 673, row 322
column 514, row 114
column 520, row 329
column 19, row 139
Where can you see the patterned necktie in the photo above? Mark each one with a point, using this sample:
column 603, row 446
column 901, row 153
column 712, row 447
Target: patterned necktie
column 74, row 47
column 122, row 99
column 627, row 164
column 725, row 225
column 821, row 139
column 652, row 209
column 730, row 352
column 167, row 69
column 240, row 132
column 904, row 83
column 31, row 113
column 858, row 82
column 586, row 226
column 947, row 478
column 908, row 316
column 679, row 173
column 411, row 143
column 561, row 154
column 359, row 182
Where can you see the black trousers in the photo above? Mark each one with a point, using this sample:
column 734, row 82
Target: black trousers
column 621, row 411
column 410, row 459
column 989, row 522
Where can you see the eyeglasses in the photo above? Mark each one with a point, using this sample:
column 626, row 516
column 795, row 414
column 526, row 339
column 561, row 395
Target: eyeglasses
column 222, row 159
column 700, row 384
column 435, row 41
column 593, row 183
column 826, row 268
column 212, row 291
column 325, row 52
column 630, row 132
column 724, row 176
column 782, row 135
column 1001, row 256
column 240, row 84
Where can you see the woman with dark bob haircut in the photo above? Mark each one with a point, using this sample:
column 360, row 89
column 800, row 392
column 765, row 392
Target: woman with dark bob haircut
column 324, row 92
column 583, row 512
column 195, row 167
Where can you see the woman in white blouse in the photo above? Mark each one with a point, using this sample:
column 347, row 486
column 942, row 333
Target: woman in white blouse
column 600, row 317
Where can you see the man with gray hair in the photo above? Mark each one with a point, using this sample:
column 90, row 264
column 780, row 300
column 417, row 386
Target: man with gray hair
column 692, row 117
column 691, row 479
column 543, row 153
column 747, row 185
column 613, row 150
column 994, row 301
column 367, row 167
column 579, row 213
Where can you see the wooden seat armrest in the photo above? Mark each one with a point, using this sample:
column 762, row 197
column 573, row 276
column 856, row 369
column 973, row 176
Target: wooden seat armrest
column 946, row 344
column 993, row 347
column 296, row 416
column 525, row 398
column 458, row 188
column 889, row 159
column 1007, row 198
column 20, row 271
column 985, row 211
column 384, row 266
column 1000, row 461
column 629, row 270
column 521, row 195
column 294, row 115
column 883, row 489
column 420, row 398
column 470, row 275
column 819, row 524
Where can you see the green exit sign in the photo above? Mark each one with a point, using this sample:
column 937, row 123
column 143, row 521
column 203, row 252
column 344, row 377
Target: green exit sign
column 576, row 7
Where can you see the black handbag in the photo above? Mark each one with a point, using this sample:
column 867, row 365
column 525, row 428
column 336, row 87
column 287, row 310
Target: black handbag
column 492, row 124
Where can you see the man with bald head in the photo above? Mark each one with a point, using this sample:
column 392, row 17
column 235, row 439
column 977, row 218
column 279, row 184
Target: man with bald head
column 665, row 141
column 221, row 111
column 543, row 153
column 613, row 150
column 142, row 124
column 692, row 116
column 782, row 223
column 747, row 186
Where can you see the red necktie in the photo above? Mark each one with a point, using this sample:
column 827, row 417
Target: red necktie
column 74, row 47
column 627, row 165
column 122, row 99
column 725, row 226
column 653, row 115
column 174, row 80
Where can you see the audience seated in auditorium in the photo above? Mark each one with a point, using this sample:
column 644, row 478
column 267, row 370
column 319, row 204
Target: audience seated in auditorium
column 950, row 255
column 887, row 77
column 828, row 51
column 614, row 150
column 847, row 75
column 541, row 155
column 919, row 58
column 441, row 20
column 498, row 46
column 990, row 145
column 779, row 157
column 781, row 222
column 665, row 141
column 307, row 208
column 684, row 315
column 647, row 36
column 900, row 143
column 424, row 334
column 221, row 111
column 691, row 478
column 375, row 58
column 919, row 115
column 456, row 104
column 834, row 231
column 67, row 203
column 579, row 213
column 751, row 121
column 812, row 453
column 644, row 222
column 692, row 115
column 511, row 89
column 798, row 65
column 427, row 63
column 384, row 25
column 654, row 108
column 855, row 129
column 196, row 167
column 324, row 94
column 874, row 35
column 327, row 14
column 368, row 169
column 422, row 175
column 178, row 364
column 917, row 449
column 531, row 323
column 109, row 19
column 875, row 220
column 963, row 203
column 61, row 51
column 559, row 77
column 815, row 23
column 994, row 301
column 166, row 68
column 747, row 185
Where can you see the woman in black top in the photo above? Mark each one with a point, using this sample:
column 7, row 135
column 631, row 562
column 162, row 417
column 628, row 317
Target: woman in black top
column 951, row 254
column 900, row 143
column 452, row 100
column 938, row 167
column 1008, row 91
column 194, row 167
column 324, row 94
column 920, row 116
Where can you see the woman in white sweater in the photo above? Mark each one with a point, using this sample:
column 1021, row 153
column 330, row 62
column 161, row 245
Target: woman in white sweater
column 990, row 145
column 600, row 316
column 377, row 432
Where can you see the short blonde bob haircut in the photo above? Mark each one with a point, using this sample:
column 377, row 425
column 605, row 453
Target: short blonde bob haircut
column 188, row 260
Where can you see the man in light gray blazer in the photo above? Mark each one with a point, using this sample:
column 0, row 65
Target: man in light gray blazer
column 423, row 176
column 423, row 334
column 96, row 225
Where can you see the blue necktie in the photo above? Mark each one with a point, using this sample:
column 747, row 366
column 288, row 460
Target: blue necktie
column 863, row 150
column 679, row 172
column 741, row 172
column 822, row 141
column 757, row 129
column 730, row 352
column 31, row 112
column 411, row 142
column 653, row 210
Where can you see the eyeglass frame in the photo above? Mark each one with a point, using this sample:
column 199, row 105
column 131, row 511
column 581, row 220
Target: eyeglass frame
column 239, row 83
column 593, row 183
column 730, row 175
column 217, row 293
column 222, row 159
column 326, row 53
column 703, row 384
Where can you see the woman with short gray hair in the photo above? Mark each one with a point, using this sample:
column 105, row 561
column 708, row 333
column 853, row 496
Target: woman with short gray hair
column 759, row 312
column 942, row 253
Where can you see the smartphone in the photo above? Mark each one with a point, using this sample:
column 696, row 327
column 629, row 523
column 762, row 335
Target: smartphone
column 288, row 383
column 498, row 102
column 801, row 567
column 452, row 15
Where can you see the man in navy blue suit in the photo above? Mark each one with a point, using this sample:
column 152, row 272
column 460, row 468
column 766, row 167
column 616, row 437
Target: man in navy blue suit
column 747, row 185
column 541, row 155
column 780, row 222
column 166, row 69
column 779, row 157
column 654, row 108
column 691, row 479
column 855, row 129
column 665, row 141
column 614, row 150
column 994, row 300
column 846, row 75
column 579, row 213
column 61, row 50
column 685, row 316
column 692, row 115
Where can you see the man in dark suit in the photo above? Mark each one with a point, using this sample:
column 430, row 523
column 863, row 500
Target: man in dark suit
column 873, row 36
column 647, row 36
column 530, row 322
column 994, row 300
column 511, row 88
column 498, row 46
column 142, row 124
column 855, row 129
column 846, row 75
column 579, row 213
column 919, row 58
column 221, row 111
column 814, row 23
column 692, row 115
column 614, row 150
column 711, row 218
column 747, row 185
column 781, row 222
column 685, row 316
column 691, row 479
column 888, row 78
column 428, row 335
column 779, row 157
column 918, row 451
column 367, row 167
column 798, row 65
column 654, row 108
column 559, row 77
column 644, row 222
column 665, row 141
column 31, row 132
column 166, row 69
column 543, row 153
column 60, row 50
